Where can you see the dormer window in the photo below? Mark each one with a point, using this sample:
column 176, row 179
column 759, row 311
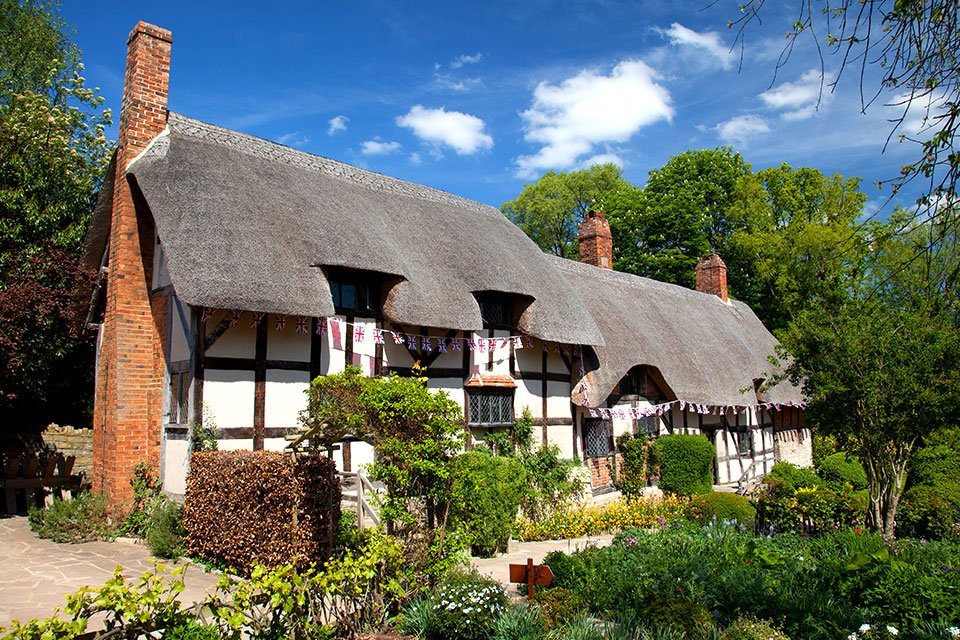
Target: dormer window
column 354, row 291
column 496, row 309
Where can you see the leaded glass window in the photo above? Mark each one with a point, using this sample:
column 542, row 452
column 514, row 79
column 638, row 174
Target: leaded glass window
column 490, row 407
column 597, row 438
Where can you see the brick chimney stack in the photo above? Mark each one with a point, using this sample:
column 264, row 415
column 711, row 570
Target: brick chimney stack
column 712, row 276
column 596, row 240
column 128, row 401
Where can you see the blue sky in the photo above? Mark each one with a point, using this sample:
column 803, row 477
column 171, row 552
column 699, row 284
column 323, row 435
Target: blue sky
column 478, row 98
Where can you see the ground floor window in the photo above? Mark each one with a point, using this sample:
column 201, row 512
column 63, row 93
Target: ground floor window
column 179, row 397
column 597, row 438
column 744, row 440
column 490, row 407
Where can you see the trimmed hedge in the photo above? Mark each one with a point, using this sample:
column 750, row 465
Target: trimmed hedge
column 260, row 507
column 485, row 498
column 722, row 506
column 839, row 469
column 789, row 477
column 686, row 464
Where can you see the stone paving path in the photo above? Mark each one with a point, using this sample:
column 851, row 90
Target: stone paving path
column 498, row 568
column 37, row 575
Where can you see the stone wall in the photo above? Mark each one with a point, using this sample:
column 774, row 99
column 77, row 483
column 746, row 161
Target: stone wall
column 794, row 446
column 72, row 442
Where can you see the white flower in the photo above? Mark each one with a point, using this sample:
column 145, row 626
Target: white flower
column 954, row 632
column 865, row 627
column 893, row 631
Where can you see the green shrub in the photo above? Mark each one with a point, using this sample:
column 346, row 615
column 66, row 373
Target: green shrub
column 191, row 630
column 82, row 519
column 147, row 494
column 686, row 464
column 165, row 530
column 518, row 623
column 485, row 497
column 679, row 615
column 751, row 629
column 558, row 606
column 550, row 485
column 722, row 506
column 930, row 512
column 467, row 608
column 637, row 468
column 840, row 469
column 415, row 618
column 790, row 477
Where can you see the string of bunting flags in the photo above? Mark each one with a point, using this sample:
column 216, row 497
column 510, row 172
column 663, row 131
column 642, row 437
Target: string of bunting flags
column 362, row 333
column 703, row 409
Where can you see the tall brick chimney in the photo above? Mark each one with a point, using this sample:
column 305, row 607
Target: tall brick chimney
column 128, row 402
column 596, row 240
column 712, row 276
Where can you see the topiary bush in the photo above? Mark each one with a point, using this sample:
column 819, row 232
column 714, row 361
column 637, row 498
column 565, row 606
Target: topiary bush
column 485, row 496
column 790, row 477
column 722, row 506
column 840, row 469
column 686, row 464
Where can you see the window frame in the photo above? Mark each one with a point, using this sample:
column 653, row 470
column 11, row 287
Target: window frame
column 367, row 291
column 178, row 398
column 590, row 423
column 490, row 392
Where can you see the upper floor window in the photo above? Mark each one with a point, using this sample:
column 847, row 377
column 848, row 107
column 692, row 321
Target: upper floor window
column 354, row 291
column 495, row 310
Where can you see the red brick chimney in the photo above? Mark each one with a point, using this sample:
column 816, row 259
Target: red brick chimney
column 596, row 240
column 712, row 276
column 128, row 401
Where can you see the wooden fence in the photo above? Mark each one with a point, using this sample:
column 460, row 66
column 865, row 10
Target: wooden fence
column 33, row 480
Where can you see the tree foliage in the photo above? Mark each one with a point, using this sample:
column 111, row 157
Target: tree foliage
column 550, row 209
column 913, row 44
column 880, row 359
column 52, row 156
column 681, row 215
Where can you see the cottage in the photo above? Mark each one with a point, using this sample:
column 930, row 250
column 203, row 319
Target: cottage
column 234, row 270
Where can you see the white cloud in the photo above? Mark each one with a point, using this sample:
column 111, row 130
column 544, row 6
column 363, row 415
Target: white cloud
column 742, row 129
column 708, row 41
column 336, row 124
column 799, row 100
column 293, row 139
column 465, row 59
column 570, row 118
column 415, row 159
column 462, row 132
column 603, row 158
column 379, row 148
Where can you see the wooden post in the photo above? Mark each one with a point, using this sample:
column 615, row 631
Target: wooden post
column 359, row 501
column 530, row 594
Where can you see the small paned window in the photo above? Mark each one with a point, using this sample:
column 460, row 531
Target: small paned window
column 354, row 294
column 495, row 310
column 597, row 438
column 489, row 408
column 179, row 397
column 744, row 442
column 649, row 426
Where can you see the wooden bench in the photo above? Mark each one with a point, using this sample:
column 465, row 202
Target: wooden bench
column 38, row 479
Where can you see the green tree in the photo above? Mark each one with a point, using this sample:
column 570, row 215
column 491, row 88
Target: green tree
column 796, row 237
column 681, row 215
column 53, row 153
column 549, row 210
column 879, row 359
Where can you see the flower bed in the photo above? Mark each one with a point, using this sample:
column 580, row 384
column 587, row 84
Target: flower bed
column 576, row 522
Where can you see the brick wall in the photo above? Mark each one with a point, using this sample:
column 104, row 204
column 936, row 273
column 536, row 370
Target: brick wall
column 596, row 240
column 794, row 446
column 711, row 276
column 128, row 402
column 602, row 470
column 71, row 442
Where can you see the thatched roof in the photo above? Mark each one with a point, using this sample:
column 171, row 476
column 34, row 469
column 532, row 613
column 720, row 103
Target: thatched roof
column 248, row 224
column 706, row 350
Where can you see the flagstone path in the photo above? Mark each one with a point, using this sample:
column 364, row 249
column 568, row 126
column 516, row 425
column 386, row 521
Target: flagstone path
column 37, row 575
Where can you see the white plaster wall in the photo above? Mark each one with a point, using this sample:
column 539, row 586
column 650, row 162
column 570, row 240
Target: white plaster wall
column 562, row 436
column 529, row 358
column 285, row 397
column 239, row 341
column 235, row 444
column 287, row 344
column 180, row 335
column 528, row 396
column 794, row 446
column 558, row 400
column 361, row 454
column 274, row 444
column 452, row 386
column 228, row 397
column 176, row 463
column 555, row 362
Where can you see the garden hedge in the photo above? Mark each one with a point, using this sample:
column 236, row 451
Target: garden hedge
column 485, row 497
column 260, row 507
column 840, row 469
column 722, row 506
column 686, row 464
